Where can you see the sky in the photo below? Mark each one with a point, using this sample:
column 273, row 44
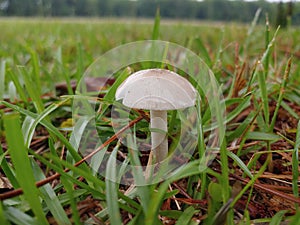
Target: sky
column 279, row 0
column 276, row 0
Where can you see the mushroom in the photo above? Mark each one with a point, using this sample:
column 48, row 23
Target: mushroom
column 157, row 90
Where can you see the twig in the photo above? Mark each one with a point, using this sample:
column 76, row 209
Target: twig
column 268, row 189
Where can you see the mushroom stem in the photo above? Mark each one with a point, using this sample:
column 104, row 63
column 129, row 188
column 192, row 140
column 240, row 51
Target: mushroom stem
column 158, row 120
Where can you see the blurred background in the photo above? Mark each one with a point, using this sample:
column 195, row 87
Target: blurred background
column 279, row 12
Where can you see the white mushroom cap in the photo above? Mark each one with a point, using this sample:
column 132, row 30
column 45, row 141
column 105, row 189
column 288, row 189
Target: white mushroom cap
column 156, row 89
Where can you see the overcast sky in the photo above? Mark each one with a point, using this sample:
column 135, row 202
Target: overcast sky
column 278, row 0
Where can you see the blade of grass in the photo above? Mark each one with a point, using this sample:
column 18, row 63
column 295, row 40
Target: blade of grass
column 2, row 78
column 157, row 197
column 29, row 130
column 27, row 123
column 77, row 133
column 201, row 149
column 296, row 219
column 138, row 219
column 155, row 32
column 186, row 216
column 12, row 92
column 21, row 91
column 16, row 216
column 295, row 164
column 35, row 65
column 244, row 104
column 64, row 198
column 203, row 52
column 219, row 53
column 88, row 176
column 262, row 60
column 225, row 176
column 251, row 29
column 80, row 64
column 264, row 94
column 240, row 163
column 97, row 160
column 3, row 219
column 250, row 183
column 78, row 163
column 69, row 187
column 50, row 197
column 110, row 95
column 59, row 68
column 36, row 70
column 257, row 135
column 277, row 218
column 8, row 171
column 290, row 110
column 175, row 214
column 32, row 89
column 267, row 41
column 21, row 163
column 56, row 164
column 242, row 129
column 280, row 97
column 52, row 130
column 111, row 189
column 219, row 109
column 139, row 178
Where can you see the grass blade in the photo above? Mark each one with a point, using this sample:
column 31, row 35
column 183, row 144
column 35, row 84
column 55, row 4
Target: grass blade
column 50, row 197
column 111, row 189
column 276, row 220
column 8, row 170
column 295, row 163
column 36, row 69
column 15, row 79
column 139, row 178
column 80, row 65
column 203, row 52
column 2, row 79
column 296, row 219
column 264, row 94
column 186, row 216
column 155, row 32
column 256, row 135
column 280, row 97
column 60, row 69
column 30, row 129
column 18, row 217
column 240, row 163
column 251, row 28
column 156, row 198
column 267, row 40
column 3, row 219
column 22, row 165
column 53, row 130
column 58, row 169
column 110, row 95
column 250, row 183
column 263, row 59
column 32, row 89
column 68, row 184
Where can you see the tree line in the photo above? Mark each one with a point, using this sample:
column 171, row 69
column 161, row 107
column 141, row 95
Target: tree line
column 215, row 10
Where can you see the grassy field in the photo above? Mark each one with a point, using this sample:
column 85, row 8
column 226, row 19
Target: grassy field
column 253, row 178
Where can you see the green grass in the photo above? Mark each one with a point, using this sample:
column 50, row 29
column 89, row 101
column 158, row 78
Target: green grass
column 259, row 81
